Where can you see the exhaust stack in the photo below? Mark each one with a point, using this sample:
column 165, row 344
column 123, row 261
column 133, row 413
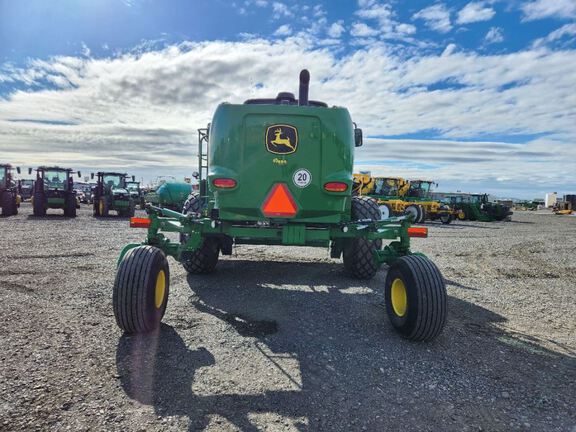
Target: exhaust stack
column 304, row 86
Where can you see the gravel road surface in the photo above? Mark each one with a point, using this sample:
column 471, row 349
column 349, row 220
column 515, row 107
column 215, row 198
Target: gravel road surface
column 279, row 339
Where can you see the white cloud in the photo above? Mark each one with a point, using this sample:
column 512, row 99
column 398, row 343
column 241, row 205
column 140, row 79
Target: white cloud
column 283, row 30
column 475, row 12
column 539, row 9
column 281, row 10
column 567, row 31
column 382, row 13
column 406, row 28
column 450, row 49
column 437, row 17
column 336, row 29
column 494, row 35
column 140, row 112
column 362, row 30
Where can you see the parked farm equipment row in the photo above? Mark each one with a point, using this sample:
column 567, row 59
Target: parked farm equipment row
column 397, row 196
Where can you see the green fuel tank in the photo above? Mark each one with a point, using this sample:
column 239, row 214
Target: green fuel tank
column 258, row 145
column 170, row 195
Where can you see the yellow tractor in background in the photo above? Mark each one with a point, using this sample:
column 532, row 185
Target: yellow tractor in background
column 420, row 192
column 396, row 196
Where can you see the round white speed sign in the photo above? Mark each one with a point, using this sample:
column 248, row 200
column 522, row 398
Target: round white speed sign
column 302, row 178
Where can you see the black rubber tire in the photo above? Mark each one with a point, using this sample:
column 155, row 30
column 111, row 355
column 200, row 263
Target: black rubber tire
column 425, row 314
column 204, row 259
column 131, row 209
column 358, row 254
column 193, row 204
column 39, row 208
column 446, row 219
column 70, row 206
column 133, row 297
column 95, row 211
column 105, row 208
column 423, row 214
column 415, row 211
column 14, row 204
column 9, row 204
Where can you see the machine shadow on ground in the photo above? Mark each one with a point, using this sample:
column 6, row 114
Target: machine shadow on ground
column 459, row 226
column 355, row 371
column 51, row 217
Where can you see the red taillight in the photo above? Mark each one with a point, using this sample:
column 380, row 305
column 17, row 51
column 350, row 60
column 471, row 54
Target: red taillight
column 417, row 232
column 137, row 222
column 335, row 187
column 224, row 183
column 279, row 202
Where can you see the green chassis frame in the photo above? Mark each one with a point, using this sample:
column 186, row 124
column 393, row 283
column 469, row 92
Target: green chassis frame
column 166, row 220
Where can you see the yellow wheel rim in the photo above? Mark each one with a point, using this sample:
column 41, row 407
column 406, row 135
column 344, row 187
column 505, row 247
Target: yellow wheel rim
column 461, row 216
column 101, row 207
column 399, row 297
column 160, row 290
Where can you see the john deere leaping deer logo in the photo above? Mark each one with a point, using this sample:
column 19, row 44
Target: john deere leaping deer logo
column 281, row 139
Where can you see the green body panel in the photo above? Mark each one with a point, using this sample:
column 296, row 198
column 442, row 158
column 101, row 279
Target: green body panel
column 55, row 203
column 120, row 204
column 237, row 150
column 259, row 146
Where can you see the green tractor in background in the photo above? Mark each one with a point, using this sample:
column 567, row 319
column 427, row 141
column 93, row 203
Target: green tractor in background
column 26, row 187
column 9, row 198
column 111, row 194
column 477, row 207
column 136, row 193
column 54, row 189
column 279, row 172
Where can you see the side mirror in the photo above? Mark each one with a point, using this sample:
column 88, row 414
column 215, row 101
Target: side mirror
column 79, row 174
column 358, row 141
column 133, row 178
column 18, row 170
column 92, row 176
column 196, row 174
column 29, row 171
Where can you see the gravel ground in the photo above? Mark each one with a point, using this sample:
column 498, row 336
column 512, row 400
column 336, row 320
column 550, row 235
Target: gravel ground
column 279, row 339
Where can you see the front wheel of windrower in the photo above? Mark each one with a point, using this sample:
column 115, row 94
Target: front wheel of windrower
column 202, row 260
column 358, row 258
column 415, row 297
column 446, row 219
column 141, row 290
column 358, row 254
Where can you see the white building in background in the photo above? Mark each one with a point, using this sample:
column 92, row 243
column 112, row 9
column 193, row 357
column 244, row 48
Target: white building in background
column 550, row 199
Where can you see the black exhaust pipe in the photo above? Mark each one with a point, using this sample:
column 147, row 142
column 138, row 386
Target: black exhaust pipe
column 304, row 85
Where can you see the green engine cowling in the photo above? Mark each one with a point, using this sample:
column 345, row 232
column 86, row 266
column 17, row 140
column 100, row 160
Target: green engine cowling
column 259, row 146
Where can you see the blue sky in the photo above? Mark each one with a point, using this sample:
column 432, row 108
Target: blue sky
column 478, row 95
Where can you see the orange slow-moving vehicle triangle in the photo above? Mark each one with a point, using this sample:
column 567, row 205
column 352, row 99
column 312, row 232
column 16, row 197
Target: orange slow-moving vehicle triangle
column 279, row 202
